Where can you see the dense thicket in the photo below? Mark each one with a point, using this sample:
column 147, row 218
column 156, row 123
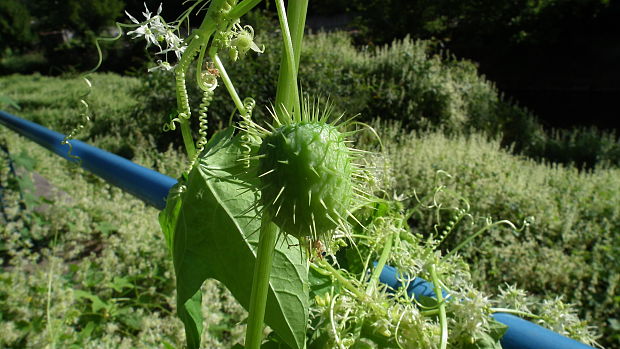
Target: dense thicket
column 558, row 57
column 570, row 248
column 409, row 81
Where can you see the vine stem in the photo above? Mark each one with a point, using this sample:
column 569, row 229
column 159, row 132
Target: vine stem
column 266, row 243
column 260, row 282
column 242, row 8
column 515, row 312
column 474, row 235
column 292, row 27
column 443, row 321
column 341, row 279
column 199, row 39
column 385, row 254
column 227, row 82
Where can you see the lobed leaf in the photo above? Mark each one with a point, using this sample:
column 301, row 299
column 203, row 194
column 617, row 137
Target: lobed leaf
column 212, row 227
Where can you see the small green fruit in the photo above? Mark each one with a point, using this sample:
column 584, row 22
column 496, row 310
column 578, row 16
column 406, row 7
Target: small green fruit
column 305, row 170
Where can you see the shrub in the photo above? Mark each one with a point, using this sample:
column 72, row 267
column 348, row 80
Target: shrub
column 570, row 249
column 583, row 147
column 87, row 267
column 408, row 81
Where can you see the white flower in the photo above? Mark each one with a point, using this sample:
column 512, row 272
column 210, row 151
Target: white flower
column 151, row 29
column 155, row 31
column 161, row 65
column 174, row 43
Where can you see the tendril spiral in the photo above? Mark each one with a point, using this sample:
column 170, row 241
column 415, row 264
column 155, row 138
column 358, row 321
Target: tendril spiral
column 247, row 138
column 85, row 119
column 207, row 97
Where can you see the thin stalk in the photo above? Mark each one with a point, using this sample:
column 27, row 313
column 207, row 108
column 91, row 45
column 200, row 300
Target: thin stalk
column 385, row 254
column 183, row 104
column 260, row 283
column 515, row 312
column 227, row 82
column 48, row 307
column 287, row 95
column 432, row 312
column 474, row 235
column 296, row 13
column 242, row 8
column 443, row 321
column 49, row 325
column 342, row 280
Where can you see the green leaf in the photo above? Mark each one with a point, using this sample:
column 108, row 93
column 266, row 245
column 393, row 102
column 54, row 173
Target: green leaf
column 120, row 283
column 96, row 302
column 6, row 100
column 211, row 224
column 497, row 329
column 319, row 284
column 491, row 339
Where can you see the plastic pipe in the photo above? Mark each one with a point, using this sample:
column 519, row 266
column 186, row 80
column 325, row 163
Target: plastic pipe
column 152, row 187
column 521, row 334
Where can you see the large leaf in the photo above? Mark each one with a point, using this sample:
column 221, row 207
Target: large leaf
column 211, row 225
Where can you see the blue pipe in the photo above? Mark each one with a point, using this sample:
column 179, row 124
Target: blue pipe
column 521, row 334
column 152, row 187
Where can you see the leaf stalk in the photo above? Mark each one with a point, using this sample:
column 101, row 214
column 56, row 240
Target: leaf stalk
column 260, row 283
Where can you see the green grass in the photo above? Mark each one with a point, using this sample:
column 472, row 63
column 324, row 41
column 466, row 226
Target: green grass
column 55, row 103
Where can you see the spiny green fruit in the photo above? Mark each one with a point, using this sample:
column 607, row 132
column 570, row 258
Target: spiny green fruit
column 305, row 170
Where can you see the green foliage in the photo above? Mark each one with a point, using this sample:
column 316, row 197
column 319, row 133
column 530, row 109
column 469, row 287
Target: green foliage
column 408, row 81
column 105, row 245
column 54, row 103
column 583, row 147
column 82, row 272
column 23, row 63
column 224, row 248
column 568, row 250
column 15, row 28
column 83, row 17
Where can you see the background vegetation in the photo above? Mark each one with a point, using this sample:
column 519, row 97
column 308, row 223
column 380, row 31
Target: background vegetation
column 92, row 257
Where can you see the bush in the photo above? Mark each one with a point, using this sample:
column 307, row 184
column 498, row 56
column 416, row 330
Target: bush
column 23, row 63
column 15, row 28
column 424, row 88
column 86, row 265
column 404, row 81
column 583, row 147
column 570, row 249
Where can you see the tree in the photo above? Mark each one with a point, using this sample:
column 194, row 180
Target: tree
column 15, row 26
